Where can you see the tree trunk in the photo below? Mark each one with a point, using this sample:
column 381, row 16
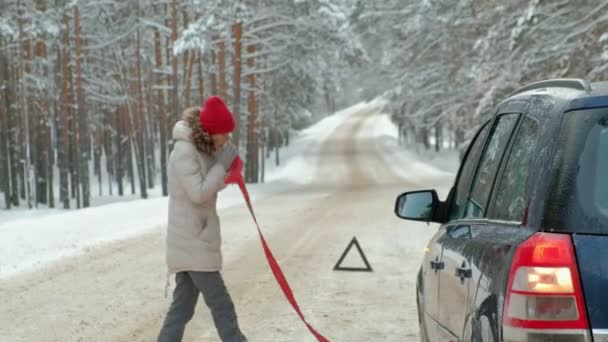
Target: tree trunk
column 252, row 134
column 16, row 134
column 51, row 174
column 438, row 136
column 3, row 172
column 32, row 118
column 74, row 154
column 4, row 175
column 171, row 113
column 121, row 143
column 84, row 140
column 138, row 130
column 424, row 135
column 187, row 66
column 274, row 138
column 13, row 129
column 287, row 136
column 188, row 79
column 237, row 31
column 175, row 92
column 150, row 134
column 459, row 137
column 24, row 71
column 54, row 125
column 186, row 57
column 222, row 67
column 64, row 144
column 201, row 79
column 262, row 159
column 97, row 155
column 74, row 133
column 129, row 147
column 270, row 142
column 44, row 139
column 277, row 158
column 161, row 114
column 327, row 97
column 5, row 105
column 108, row 135
column 212, row 70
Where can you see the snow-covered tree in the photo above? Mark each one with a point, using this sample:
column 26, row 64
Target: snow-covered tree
column 90, row 89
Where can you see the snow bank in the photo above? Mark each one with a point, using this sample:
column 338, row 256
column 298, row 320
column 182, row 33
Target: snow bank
column 32, row 242
column 406, row 163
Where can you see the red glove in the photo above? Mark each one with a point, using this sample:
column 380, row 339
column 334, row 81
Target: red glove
column 235, row 171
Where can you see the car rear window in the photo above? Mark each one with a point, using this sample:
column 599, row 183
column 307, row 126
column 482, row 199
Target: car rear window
column 578, row 200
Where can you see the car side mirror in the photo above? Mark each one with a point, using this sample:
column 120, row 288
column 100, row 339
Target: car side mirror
column 417, row 205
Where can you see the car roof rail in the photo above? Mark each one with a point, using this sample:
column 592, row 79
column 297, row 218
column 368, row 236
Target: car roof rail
column 572, row 83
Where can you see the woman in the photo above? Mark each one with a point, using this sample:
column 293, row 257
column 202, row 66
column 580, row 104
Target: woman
column 201, row 157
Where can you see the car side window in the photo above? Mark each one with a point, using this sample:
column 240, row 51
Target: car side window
column 467, row 171
column 511, row 196
column 601, row 191
column 488, row 166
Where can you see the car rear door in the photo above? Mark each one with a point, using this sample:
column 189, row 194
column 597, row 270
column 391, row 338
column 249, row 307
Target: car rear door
column 494, row 242
column 460, row 244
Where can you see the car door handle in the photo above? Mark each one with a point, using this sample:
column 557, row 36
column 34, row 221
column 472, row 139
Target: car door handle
column 462, row 272
column 437, row 265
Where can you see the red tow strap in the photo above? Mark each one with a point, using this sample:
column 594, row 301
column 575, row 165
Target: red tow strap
column 235, row 177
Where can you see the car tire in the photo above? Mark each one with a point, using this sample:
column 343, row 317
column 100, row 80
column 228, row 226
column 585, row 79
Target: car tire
column 483, row 331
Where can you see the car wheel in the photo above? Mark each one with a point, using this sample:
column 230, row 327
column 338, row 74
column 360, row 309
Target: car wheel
column 483, row 330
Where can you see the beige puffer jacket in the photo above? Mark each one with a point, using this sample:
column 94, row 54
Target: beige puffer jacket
column 193, row 233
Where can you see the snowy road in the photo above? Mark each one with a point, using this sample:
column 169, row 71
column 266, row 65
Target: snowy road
column 115, row 292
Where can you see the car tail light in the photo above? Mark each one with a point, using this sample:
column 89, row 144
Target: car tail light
column 544, row 294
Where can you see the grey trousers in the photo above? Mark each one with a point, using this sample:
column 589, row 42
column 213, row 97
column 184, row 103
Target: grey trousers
column 185, row 297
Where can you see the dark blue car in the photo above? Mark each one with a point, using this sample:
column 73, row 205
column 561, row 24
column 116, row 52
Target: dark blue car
column 522, row 250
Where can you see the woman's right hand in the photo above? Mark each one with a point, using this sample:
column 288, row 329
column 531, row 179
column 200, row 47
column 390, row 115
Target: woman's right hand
column 227, row 155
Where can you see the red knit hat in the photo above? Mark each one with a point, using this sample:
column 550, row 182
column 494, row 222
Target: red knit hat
column 215, row 117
